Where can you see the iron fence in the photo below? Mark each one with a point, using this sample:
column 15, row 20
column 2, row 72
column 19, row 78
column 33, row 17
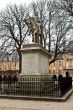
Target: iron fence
column 36, row 86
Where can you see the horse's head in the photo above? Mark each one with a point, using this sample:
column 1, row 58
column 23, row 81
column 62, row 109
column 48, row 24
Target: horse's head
column 27, row 21
column 30, row 22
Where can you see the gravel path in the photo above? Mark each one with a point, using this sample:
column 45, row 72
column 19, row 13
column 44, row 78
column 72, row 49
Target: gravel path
column 10, row 104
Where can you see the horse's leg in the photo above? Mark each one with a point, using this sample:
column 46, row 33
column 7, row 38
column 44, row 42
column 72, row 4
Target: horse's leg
column 45, row 43
column 36, row 38
column 33, row 38
column 41, row 40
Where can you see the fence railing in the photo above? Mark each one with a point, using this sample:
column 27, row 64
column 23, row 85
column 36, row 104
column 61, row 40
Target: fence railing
column 65, row 85
column 36, row 86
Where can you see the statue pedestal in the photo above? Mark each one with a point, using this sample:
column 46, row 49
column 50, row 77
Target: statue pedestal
column 34, row 60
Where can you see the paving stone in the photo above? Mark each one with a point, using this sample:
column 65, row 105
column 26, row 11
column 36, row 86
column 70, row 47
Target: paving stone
column 10, row 104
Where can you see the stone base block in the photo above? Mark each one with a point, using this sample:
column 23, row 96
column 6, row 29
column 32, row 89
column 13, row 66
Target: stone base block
column 34, row 60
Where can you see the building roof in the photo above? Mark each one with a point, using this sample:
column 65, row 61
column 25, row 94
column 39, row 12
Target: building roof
column 9, row 57
column 70, row 46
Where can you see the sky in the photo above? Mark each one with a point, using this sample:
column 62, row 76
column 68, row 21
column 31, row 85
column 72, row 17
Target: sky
column 3, row 3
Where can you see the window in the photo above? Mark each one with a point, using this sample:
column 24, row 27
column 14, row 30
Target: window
column 54, row 63
column 49, row 71
column 70, row 63
column 0, row 66
column 15, row 65
column 60, row 64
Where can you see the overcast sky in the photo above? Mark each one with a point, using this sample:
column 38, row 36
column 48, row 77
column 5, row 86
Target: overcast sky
column 3, row 3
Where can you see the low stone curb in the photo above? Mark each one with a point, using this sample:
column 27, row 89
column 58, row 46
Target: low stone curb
column 60, row 99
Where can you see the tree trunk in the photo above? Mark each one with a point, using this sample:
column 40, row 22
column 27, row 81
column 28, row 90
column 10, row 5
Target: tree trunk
column 20, row 62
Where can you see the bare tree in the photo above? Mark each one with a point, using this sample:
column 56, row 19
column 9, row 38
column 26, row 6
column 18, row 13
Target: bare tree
column 54, row 26
column 68, row 6
column 12, row 28
column 58, row 26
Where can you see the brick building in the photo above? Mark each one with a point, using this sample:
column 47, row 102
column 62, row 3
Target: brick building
column 64, row 64
column 9, row 64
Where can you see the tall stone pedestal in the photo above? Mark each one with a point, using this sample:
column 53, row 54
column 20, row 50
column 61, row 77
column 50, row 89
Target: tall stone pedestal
column 34, row 60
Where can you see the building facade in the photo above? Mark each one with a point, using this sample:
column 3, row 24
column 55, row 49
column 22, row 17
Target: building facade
column 9, row 64
column 63, row 65
column 9, row 67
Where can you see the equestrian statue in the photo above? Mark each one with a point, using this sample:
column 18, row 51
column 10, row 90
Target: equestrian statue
column 35, row 28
